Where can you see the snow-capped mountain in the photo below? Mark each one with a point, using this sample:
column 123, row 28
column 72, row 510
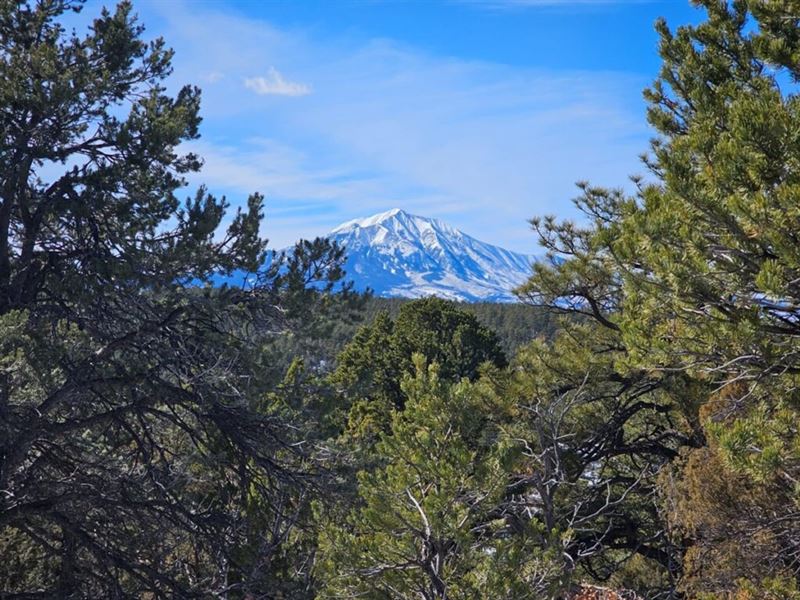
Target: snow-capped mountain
column 398, row 254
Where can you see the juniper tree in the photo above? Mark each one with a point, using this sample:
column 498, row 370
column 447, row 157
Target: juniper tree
column 374, row 362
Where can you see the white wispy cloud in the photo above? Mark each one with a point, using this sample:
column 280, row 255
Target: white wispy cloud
column 213, row 77
column 482, row 145
column 275, row 84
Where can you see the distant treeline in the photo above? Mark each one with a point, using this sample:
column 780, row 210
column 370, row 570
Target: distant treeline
column 515, row 324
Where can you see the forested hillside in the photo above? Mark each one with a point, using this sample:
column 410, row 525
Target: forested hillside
column 631, row 424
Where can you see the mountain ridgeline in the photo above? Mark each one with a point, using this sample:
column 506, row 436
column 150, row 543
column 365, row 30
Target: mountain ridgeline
column 397, row 254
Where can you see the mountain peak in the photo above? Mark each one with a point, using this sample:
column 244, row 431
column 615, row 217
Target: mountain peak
column 398, row 254
column 374, row 219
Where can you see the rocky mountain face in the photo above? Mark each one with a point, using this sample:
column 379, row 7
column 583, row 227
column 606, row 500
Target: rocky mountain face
column 401, row 255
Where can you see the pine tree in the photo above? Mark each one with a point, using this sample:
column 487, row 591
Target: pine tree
column 715, row 292
column 133, row 431
column 426, row 524
column 698, row 273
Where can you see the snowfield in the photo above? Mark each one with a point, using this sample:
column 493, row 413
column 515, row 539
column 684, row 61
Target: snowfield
column 401, row 255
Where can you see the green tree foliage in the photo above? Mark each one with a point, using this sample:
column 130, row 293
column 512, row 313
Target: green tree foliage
column 716, row 240
column 576, row 441
column 372, row 365
column 135, row 442
column 698, row 273
column 425, row 526
column 367, row 383
column 592, row 439
column 515, row 325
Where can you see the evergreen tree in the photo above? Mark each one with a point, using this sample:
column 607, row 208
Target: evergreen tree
column 426, row 525
column 595, row 429
column 698, row 273
column 716, row 289
column 372, row 365
column 134, row 434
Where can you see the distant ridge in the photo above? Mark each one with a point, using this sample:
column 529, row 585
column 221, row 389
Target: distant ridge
column 397, row 254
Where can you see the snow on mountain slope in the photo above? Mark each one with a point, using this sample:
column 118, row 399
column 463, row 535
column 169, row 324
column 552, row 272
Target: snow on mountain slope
column 398, row 254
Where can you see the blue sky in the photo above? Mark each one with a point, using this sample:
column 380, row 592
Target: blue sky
column 483, row 113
